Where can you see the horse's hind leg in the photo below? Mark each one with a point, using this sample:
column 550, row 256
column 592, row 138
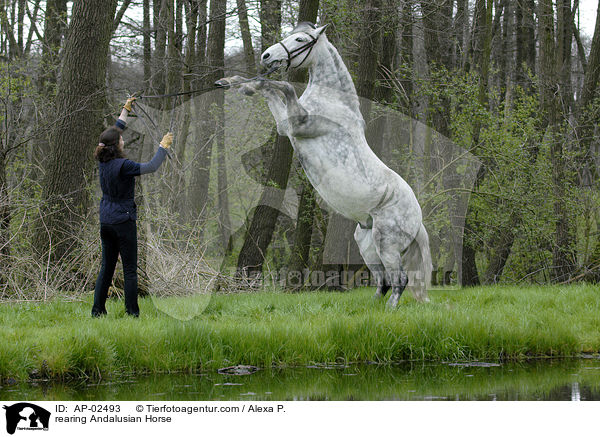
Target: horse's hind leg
column 390, row 242
column 366, row 246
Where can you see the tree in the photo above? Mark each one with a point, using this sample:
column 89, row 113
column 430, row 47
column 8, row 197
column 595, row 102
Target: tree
column 161, row 17
column 552, row 59
column 246, row 36
column 587, row 120
column 481, row 50
column 147, row 43
column 525, row 42
column 80, row 103
column 55, row 24
column 216, row 59
column 264, row 218
column 197, row 190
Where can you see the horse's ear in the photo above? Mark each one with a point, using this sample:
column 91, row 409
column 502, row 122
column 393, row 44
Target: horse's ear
column 321, row 29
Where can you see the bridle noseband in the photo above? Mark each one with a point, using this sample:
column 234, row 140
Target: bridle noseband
column 299, row 50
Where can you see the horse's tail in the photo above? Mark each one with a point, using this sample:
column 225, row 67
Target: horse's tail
column 417, row 263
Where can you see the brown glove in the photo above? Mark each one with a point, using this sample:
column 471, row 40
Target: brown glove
column 167, row 141
column 128, row 104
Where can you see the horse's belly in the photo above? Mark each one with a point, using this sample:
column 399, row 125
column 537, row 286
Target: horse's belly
column 347, row 191
column 352, row 198
column 344, row 171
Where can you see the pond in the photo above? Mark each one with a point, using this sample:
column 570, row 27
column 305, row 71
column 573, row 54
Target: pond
column 573, row 379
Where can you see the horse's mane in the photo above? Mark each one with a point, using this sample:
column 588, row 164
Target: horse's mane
column 303, row 26
column 345, row 80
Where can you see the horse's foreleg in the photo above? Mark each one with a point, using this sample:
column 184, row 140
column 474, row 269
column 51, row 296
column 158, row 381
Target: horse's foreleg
column 293, row 106
column 300, row 124
column 277, row 108
column 273, row 95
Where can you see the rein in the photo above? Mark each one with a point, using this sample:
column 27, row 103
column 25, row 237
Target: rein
column 143, row 115
column 298, row 51
column 261, row 76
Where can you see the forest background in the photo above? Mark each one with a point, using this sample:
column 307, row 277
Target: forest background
column 489, row 108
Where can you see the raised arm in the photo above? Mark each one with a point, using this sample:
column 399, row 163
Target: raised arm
column 122, row 120
column 153, row 165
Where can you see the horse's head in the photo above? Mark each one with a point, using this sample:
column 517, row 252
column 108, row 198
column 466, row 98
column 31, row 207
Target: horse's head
column 296, row 50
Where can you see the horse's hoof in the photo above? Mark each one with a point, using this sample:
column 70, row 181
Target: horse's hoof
column 392, row 302
column 247, row 90
column 222, row 83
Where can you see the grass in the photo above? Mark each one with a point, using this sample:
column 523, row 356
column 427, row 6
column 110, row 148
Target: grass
column 60, row 339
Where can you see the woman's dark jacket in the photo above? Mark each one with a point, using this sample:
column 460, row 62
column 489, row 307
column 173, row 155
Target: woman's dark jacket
column 117, row 180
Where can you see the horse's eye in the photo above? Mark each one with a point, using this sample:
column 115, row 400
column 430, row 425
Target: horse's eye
column 300, row 39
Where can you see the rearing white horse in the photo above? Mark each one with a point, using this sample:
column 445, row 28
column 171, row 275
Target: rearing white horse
column 327, row 132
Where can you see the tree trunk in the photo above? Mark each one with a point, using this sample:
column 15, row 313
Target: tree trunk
column 202, row 31
column 550, row 60
column 173, row 66
column 270, row 22
column 206, row 121
column 189, row 67
column 437, row 21
column 461, row 32
column 160, row 46
column 264, row 219
column 406, row 57
column 437, row 17
column 300, row 256
column 9, row 31
column 504, row 240
column 565, row 38
column 481, row 49
column 592, row 73
column 55, row 19
column 4, row 222
column 525, row 56
column 260, row 232
column 81, row 99
column 21, row 26
column 147, row 43
column 120, row 14
column 216, row 60
column 246, row 37
column 32, row 26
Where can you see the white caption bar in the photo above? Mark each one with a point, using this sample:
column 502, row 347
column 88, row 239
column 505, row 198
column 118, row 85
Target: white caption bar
column 295, row 418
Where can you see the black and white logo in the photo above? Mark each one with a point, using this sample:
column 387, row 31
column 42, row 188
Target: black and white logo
column 26, row 417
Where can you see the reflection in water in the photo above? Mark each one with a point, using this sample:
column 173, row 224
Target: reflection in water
column 575, row 380
column 575, row 395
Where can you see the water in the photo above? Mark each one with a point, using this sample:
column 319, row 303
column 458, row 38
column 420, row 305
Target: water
column 574, row 380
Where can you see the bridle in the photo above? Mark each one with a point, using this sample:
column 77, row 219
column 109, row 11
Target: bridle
column 299, row 50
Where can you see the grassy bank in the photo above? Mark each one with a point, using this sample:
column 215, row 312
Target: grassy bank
column 59, row 339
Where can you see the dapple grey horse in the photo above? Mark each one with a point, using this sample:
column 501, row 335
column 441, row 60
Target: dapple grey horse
column 327, row 132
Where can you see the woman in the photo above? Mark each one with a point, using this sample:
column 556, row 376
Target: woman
column 118, row 231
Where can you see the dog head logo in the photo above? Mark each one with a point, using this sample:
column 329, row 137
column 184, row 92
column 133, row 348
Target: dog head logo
column 25, row 416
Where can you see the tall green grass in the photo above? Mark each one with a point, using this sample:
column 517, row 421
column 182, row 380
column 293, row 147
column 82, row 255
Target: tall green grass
column 60, row 339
